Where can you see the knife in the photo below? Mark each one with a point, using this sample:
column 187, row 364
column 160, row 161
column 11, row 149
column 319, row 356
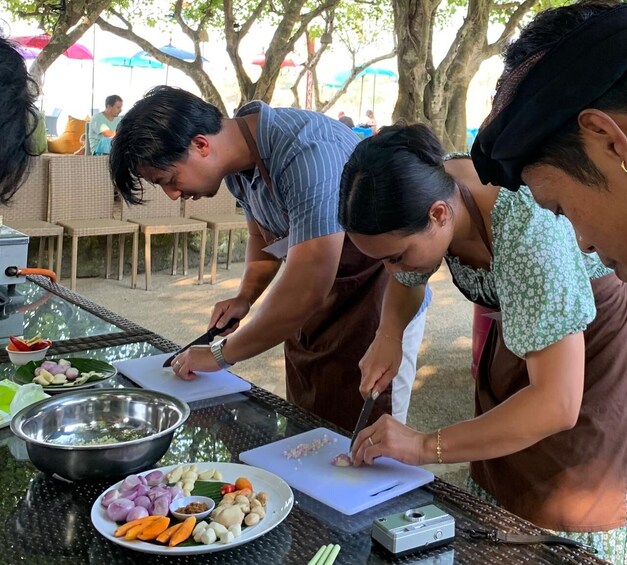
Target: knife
column 204, row 339
column 363, row 416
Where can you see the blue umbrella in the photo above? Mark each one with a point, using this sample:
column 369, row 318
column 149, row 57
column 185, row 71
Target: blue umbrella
column 137, row 60
column 340, row 79
column 169, row 49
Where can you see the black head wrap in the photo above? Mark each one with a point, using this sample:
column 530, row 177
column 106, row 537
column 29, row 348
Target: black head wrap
column 540, row 95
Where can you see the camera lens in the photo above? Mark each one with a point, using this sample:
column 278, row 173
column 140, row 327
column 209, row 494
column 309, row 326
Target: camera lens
column 414, row 515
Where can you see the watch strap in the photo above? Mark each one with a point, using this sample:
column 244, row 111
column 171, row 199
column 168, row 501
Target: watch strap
column 216, row 349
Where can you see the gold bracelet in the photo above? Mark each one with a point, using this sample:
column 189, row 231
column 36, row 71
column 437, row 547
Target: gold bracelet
column 438, row 445
column 394, row 338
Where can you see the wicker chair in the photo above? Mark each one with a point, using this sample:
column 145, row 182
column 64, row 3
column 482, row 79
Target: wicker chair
column 27, row 212
column 219, row 213
column 158, row 215
column 81, row 200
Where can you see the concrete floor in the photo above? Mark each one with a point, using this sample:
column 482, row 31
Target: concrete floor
column 178, row 308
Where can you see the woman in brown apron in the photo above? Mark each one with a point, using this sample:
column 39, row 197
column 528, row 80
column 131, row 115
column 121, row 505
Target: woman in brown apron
column 547, row 441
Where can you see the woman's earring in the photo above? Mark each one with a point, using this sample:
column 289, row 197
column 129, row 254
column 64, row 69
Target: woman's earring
column 622, row 166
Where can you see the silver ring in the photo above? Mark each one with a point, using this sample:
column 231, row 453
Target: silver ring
column 370, row 440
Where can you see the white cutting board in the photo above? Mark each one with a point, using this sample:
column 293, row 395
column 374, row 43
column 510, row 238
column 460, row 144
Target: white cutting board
column 148, row 372
column 347, row 489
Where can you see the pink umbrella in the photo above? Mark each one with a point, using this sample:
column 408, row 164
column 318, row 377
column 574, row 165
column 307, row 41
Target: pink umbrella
column 76, row 51
column 261, row 61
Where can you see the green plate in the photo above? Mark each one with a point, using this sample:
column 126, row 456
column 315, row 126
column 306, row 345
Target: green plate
column 26, row 373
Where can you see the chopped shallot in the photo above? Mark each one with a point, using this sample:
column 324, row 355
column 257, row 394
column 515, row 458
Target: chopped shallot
column 342, row 460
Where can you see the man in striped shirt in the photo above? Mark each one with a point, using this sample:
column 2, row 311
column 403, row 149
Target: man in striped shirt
column 283, row 166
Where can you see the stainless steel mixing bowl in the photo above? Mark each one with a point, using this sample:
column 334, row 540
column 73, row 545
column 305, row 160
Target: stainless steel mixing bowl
column 99, row 433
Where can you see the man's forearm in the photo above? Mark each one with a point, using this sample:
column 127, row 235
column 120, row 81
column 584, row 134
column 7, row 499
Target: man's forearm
column 261, row 268
column 299, row 293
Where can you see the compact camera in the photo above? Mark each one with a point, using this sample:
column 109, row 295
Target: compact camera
column 416, row 529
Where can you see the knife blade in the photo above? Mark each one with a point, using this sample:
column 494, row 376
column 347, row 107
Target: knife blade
column 204, row 339
column 363, row 416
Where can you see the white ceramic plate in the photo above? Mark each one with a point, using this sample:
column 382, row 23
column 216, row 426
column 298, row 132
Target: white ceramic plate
column 280, row 502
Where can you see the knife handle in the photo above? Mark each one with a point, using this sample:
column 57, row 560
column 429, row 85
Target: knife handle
column 214, row 332
column 204, row 339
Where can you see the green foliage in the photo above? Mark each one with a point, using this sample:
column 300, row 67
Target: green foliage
column 357, row 23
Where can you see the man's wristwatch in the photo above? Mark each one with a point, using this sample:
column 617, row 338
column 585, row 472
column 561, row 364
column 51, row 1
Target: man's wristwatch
column 216, row 349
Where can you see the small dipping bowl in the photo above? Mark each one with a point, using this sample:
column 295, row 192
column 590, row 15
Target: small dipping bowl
column 23, row 357
column 183, row 501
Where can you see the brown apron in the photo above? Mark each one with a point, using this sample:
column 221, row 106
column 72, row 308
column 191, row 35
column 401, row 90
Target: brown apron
column 574, row 480
column 321, row 359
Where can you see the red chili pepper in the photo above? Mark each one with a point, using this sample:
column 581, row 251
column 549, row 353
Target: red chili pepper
column 226, row 489
column 19, row 344
column 40, row 345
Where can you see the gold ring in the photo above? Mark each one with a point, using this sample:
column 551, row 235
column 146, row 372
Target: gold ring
column 370, row 440
column 177, row 363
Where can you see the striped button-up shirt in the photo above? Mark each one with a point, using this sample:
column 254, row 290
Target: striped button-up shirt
column 304, row 153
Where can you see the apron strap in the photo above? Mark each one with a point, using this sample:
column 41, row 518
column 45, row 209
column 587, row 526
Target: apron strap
column 475, row 214
column 252, row 146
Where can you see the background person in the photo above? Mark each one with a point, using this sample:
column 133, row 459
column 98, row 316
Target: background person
column 346, row 120
column 371, row 122
column 19, row 120
column 283, row 166
column 547, row 441
column 559, row 122
column 103, row 126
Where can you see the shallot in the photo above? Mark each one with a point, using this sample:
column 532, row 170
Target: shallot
column 119, row 508
column 161, row 506
column 143, row 501
column 155, row 478
column 110, row 496
column 136, row 513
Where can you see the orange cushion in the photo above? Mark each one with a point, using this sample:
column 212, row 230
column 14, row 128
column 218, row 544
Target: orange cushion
column 70, row 140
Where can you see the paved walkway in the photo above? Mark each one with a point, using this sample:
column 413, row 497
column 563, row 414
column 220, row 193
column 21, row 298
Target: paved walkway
column 179, row 309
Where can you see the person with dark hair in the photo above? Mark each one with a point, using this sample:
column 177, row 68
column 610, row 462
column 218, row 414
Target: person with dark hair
column 283, row 165
column 103, row 126
column 346, row 120
column 19, row 120
column 547, row 439
column 559, row 122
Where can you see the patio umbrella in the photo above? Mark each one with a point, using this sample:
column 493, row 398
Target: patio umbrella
column 26, row 52
column 340, row 79
column 76, row 51
column 137, row 60
column 261, row 61
column 169, row 49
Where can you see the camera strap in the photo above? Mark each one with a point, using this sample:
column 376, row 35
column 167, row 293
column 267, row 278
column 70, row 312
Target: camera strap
column 499, row 536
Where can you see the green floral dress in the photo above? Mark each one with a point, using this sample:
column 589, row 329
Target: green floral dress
column 540, row 281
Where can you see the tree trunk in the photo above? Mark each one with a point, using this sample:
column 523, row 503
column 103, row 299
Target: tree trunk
column 437, row 95
column 412, row 23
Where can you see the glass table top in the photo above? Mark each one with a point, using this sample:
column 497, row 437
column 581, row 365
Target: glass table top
column 33, row 310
